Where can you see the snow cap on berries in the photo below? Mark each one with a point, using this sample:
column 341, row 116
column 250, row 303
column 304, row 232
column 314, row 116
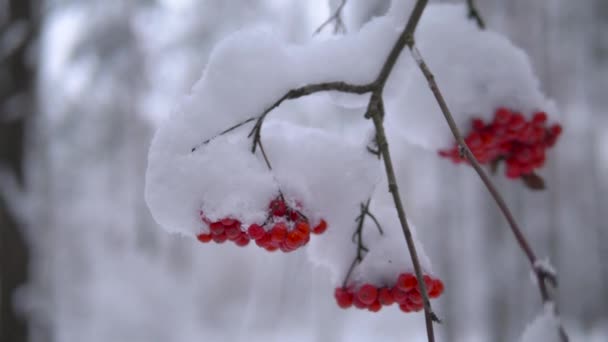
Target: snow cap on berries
column 476, row 70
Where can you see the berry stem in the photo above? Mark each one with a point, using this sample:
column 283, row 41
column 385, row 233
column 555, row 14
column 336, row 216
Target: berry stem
column 515, row 229
column 358, row 238
column 365, row 212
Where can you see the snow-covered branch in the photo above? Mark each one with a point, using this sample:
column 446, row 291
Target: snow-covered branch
column 525, row 246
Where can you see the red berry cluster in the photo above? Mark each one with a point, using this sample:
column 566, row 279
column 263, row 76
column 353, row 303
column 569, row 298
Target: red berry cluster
column 405, row 293
column 509, row 137
column 285, row 229
column 222, row 230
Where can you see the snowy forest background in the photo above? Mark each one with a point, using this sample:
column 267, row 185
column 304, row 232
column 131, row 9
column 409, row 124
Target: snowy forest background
column 83, row 85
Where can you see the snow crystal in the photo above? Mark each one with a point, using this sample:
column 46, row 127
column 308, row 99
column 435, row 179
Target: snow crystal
column 545, row 327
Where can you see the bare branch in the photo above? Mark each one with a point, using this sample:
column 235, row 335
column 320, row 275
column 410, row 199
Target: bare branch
column 542, row 277
column 375, row 111
column 475, row 15
column 336, row 17
column 290, row 95
column 304, row 91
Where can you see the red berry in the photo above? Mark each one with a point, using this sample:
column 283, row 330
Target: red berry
column 233, row 232
column 228, row 222
column 303, row 227
column 285, row 248
column 367, row 294
column 293, row 240
column 539, row 117
column 414, row 296
column 204, row 238
column 473, row 140
column 478, row 124
column 502, row 116
column 320, row 228
column 264, row 241
column 344, row 299
column 405, row 307
column 385, row 296
column 487, row 138
column 428, row 282
column 517, row 122
column 220, row 238
column 524, row 155
column 556, row 129
column 216, row 228
column 278, row 207
column 375, row 306
column 278, row 232
column 358, row 303
column 407, row 281
column 271, row 248
column 294, row 216
column 242, row 241
column 415, row 306
column 437, row 289
column 398, row 295
column 538, row 134
column 256, row 231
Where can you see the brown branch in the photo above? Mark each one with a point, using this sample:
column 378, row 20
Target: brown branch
column 335, row 17
column 375, row 111
column 290, row 95
column 475, row 15
column 542, row 276
column 304, row 91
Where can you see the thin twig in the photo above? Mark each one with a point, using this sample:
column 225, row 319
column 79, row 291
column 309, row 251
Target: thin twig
column 227, row 130
column 475, row 15
column 336, row 17
column 358, row 239
column 541, row 276
column 290, row 95
column 304, row 91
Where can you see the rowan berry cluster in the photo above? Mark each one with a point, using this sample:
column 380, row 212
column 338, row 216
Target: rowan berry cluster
column 405, row 293
column 509, row 137
column 285, row 229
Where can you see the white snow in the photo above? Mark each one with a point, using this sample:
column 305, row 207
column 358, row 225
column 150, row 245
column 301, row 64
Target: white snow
column 545, row 327
column 545, row 266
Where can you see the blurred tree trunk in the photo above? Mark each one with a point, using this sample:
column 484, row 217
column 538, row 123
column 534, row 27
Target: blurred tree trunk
column 17, row 29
